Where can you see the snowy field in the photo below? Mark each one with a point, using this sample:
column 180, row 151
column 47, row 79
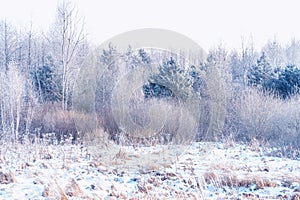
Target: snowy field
column 203, row 171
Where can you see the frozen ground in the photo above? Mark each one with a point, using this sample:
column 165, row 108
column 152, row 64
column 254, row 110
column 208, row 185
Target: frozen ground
column 203, row 171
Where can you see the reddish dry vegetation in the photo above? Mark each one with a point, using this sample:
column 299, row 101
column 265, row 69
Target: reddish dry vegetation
column 7, row 177
column 233, row 180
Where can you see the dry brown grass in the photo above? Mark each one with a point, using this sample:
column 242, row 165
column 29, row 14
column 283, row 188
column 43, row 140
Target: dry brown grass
column 7, row 177
column 54, row 191
column 233, row 180
column 296, row 196
column 73, row 189
column 210, row 177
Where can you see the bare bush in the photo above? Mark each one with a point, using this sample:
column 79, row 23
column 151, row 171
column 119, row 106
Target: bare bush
column 268, row 119
column 256, row 111
column 54, row 125
column 152, row 121
column 286, row 124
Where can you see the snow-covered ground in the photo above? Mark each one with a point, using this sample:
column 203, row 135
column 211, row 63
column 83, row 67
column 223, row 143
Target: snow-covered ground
column 203, row 171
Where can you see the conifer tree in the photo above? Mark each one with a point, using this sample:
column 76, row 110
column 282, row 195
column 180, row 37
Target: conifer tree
column 260, row 72
column 171, row 80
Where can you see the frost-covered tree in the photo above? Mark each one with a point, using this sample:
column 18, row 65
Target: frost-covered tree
column 259, row 73
column 285, row 82
column 8, row 44
column 108, row 61
column 248, row 54
column 12, row 100
column 237, row 68
column 219, row 79
column 66, row 39
column 46, row 83
column 293, row 52
column 135, row 59
column 288, row 81
column 171, row 80
column 275, row 53
column 115, row 65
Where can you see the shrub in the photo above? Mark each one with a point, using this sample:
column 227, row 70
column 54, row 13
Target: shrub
column 268, row 119
column 256, row 112
column 53, row 125
column 154, row 121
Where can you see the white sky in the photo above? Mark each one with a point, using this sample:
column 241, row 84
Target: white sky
column 207, row 22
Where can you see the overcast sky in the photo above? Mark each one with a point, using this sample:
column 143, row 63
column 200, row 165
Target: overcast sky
column 207, row 22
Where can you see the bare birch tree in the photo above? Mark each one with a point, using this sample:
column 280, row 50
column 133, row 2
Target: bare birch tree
column 12, row 102
column 67, row 38
column 8, row 43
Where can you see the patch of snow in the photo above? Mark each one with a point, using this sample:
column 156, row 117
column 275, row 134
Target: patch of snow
column 204, row 171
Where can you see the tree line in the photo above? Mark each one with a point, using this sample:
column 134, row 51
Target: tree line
column 38, row 72
column 38, row 68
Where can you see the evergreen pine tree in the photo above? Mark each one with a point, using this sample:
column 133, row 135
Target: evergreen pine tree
column 288, row 82
column 259, row 73
column 171, row 80
column 46, row 83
